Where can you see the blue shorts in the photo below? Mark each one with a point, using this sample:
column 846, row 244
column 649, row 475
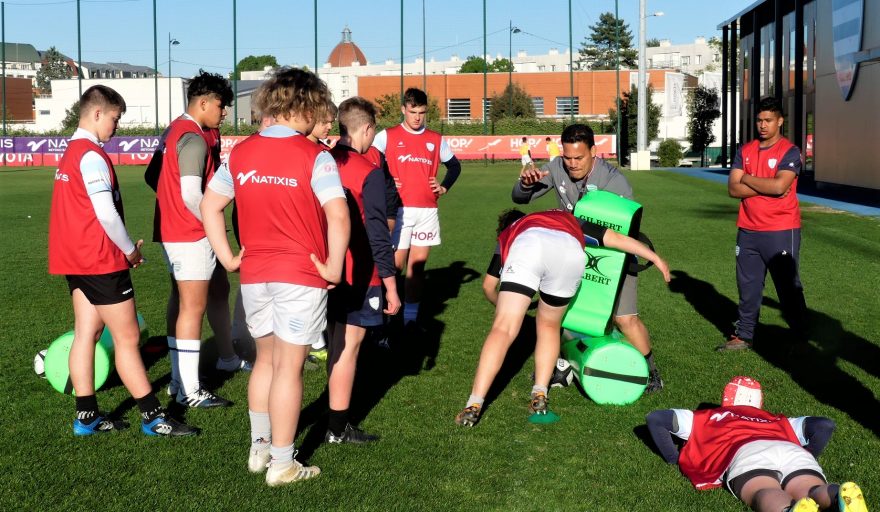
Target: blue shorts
column 355, row 305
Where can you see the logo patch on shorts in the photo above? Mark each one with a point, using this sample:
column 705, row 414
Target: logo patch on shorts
column 295, row 324
column 737, row 250
column 374, row 303
column 176, row 266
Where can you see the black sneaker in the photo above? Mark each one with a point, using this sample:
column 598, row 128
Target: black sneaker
column 201, row 398
column 351, row 435
column 655, row 383
column 165, row 426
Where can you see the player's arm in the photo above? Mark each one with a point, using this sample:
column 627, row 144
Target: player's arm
column 614, row 240
column 787, row 170
column 218, row 195
column 96, row 177
column 532, row 184
column 814, row 432
column 328, row 189
column 492, row 278
column 734, row 186
column 192, row 157
column 619, row 185
column 375, row 222
column 453, row 169
column 661, row 425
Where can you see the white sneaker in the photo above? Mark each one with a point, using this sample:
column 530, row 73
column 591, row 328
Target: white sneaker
column 284, row 474
column 201, row 398
column 258, row 459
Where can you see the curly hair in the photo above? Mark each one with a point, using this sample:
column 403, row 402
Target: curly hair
column 209, row 84
column 508, row 217
column 293, row 90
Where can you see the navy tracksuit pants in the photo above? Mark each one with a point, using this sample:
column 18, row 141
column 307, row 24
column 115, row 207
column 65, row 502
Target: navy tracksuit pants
column 779, row 253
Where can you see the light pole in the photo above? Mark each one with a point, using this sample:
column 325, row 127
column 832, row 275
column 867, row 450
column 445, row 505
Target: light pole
column 171, row 42
column 513, row 30
column 644, row 157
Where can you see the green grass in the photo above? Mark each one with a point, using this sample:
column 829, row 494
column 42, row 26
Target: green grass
column 594, row 458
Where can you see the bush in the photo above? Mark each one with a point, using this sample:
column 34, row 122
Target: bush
column 669, row 153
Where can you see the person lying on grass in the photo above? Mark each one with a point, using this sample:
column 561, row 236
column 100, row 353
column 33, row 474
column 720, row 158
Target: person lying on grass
column 766, row 460
column 537, row 253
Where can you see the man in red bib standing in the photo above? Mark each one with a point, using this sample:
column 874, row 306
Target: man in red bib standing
column 414, row 153
column 764, row 176
column 198, row 284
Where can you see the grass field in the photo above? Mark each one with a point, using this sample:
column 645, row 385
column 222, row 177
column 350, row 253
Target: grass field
column 595, row 458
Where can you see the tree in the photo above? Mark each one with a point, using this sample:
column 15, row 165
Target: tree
column 475, row 64
column 652, row 43
column 388, row 106
column 54, row 67
column 513, row 102
column 599, row 49
column 629, row 115
column 71, row 118
column 715, row 45
column 703, row 110
column 254, row 63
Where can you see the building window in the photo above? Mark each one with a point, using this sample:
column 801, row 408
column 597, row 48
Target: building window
column 345, row 93
column 566, row 105
column 685, row 60
column 699, row 59
column 538, row 104
column 44, row 112
column 458, row 108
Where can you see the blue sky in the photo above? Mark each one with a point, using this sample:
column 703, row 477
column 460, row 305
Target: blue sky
column 122, row 30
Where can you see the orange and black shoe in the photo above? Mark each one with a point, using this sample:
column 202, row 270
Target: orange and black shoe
column 735, row 344
column 539, row 403
column 469, row 416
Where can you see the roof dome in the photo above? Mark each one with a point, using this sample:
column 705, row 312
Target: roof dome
column 346, row 52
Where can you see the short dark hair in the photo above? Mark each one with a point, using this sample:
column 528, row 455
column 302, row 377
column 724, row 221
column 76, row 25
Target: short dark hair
column 578, row 133
column 547, row 139
column 101, row 96
column 508, row 217
column 209, row 84
column 414, row 97
column 354, row 113
column 770, row 104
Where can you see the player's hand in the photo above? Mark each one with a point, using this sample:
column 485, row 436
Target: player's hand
column 235, row 264
column 530, row 176
column 135, row 259
column 436, row 188
column 663, row 267
column 327, row 272
column 392, row 302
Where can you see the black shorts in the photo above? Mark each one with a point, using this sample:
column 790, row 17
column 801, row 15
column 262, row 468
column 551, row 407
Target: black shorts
column 355, row 305
column 103, row 289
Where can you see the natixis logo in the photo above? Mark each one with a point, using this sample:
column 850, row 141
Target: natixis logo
column 847, row 21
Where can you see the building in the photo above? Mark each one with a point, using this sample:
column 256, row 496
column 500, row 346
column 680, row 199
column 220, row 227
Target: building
column 822, row 59
column 692, row 58
column 22, row 61
column 116, row 70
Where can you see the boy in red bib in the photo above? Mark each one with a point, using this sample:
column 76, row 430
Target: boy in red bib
column 294, row 227
column 90, row 246
column 766, row 460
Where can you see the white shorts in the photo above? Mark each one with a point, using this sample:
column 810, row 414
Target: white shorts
column 296, row 314
column 190, row 261
column 526, row 159
column 416, row 226
column 781, row 457
column 545, row 260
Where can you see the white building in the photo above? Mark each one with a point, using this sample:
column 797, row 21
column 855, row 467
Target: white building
column 691, row 58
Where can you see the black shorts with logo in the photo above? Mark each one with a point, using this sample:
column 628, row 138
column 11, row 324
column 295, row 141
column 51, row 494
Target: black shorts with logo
column 103, row 289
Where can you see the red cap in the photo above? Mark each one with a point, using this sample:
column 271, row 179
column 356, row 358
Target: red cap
column 742, row 391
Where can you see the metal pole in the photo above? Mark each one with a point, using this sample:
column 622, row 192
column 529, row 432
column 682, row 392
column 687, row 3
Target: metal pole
column 642, row 138
column 3, row 57
column 316, row 36
column 169, row 78
column 725, row 77
column 235, row 68
column 485, row 70
column 79, row 51
column 401, row 52
column 424, row 53
column 510, row 69
column 156, row 65
column 617, row 74
column 570, row 68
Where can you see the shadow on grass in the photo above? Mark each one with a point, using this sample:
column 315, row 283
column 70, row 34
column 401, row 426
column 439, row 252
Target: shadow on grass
column 520, row 351
column 813, row 368
column 412, row 351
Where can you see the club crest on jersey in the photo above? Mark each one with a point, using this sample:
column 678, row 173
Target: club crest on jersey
column 772, row 162
column 430, row 146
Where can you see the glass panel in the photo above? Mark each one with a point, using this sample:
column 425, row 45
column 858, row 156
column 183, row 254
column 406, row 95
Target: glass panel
column 458, row 108
column 538, row 104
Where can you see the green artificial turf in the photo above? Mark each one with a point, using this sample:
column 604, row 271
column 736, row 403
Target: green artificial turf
column 595, row 458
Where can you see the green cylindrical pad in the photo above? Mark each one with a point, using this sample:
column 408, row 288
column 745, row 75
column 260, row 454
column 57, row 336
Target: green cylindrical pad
column 58, row 354
column 610, row 371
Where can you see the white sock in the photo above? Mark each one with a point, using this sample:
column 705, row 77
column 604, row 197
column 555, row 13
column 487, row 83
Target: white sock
column 188, row 363
column 172, row 355
column 261, row 429
column 283, row 456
